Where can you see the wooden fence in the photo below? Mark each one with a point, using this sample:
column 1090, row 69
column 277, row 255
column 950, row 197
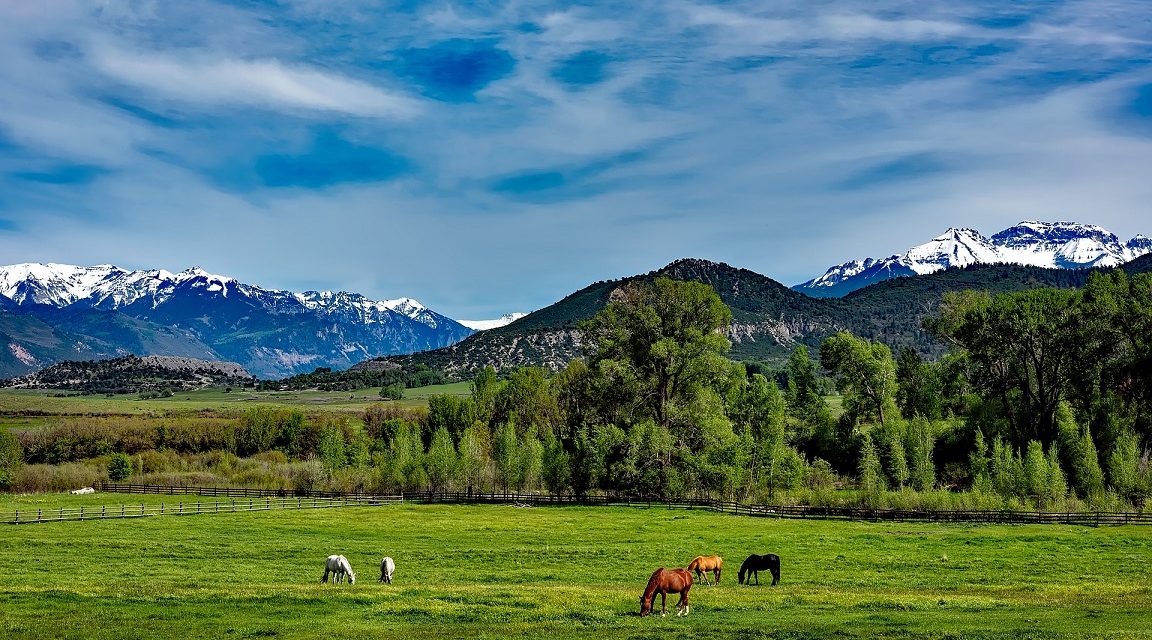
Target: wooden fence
column 264, row 499
column 181, row 508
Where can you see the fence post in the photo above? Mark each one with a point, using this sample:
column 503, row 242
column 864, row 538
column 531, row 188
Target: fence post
column 39, row 515
column 81, row 512
column 17, row 521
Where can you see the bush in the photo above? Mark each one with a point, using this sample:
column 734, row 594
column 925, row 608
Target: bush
column 119, row 467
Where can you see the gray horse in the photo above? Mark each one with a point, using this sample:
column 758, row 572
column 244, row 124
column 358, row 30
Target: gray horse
column 338, row 566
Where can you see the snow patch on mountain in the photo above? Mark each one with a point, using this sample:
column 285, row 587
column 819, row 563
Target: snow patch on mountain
column 1064, row 245
column 484, row 325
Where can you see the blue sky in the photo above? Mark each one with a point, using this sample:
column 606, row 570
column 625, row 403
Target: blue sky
column 492, row 157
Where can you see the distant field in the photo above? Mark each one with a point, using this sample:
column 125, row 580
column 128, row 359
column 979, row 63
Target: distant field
column 14, row 401
column 499, row 571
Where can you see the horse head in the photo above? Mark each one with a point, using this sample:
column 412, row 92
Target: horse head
column 645, row 607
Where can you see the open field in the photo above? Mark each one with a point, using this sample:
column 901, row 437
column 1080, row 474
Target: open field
column 17, row 401
column 499, row 571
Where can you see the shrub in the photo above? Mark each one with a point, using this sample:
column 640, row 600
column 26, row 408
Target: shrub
column 119, row 467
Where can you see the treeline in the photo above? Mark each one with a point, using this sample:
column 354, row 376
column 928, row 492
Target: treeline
column 325, row 379
column 128, row 374
column 1043, row 402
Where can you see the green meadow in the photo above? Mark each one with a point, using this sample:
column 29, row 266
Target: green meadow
column 21, row 408
column 502, row 571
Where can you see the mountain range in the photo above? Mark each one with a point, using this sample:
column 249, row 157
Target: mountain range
column 770, row 320
column 54, row 312
column 51, row 312
column 1060, row 245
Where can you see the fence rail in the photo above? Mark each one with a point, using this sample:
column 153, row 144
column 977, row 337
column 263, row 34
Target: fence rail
column 181, row 508
column 264, row 499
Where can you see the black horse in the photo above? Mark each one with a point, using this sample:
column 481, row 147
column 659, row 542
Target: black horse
column 754, row 564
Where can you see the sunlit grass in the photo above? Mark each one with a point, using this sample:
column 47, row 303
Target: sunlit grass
column 499, row 571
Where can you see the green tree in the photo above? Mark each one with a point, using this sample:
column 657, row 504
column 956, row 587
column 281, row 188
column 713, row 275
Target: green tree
column 805, row 400
column 440, row 461
column 1084, row 459
column 921, row 442
column 871, row 471
column 473, row 459
column 1024, row 347
column 659, row 345
column 865, row 374
column 557, row 472
column 919, row 390
column 485, row 387
column 331, row 448
column 119, row 467
column 507, row 456
column 1124, row 467
column 394, row 391
column 531, row 462
column 978, row 465
column 11, row 458
column 897, row 462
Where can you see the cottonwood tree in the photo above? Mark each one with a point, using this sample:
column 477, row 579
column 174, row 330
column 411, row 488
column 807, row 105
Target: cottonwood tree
column 660, row 345
column 865, row 374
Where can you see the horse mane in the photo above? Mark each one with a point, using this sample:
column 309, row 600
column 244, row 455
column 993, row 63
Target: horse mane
column 692, row 566
column 653, row 584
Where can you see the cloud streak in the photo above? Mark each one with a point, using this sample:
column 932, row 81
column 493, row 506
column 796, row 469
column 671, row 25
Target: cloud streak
column 492, row 158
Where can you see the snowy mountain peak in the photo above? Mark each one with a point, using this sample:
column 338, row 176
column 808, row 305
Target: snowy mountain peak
column 484, row 325
column 113, row 288
column 1067, row 245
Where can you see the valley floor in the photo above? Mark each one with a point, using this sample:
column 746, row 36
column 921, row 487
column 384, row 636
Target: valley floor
column 500, row 571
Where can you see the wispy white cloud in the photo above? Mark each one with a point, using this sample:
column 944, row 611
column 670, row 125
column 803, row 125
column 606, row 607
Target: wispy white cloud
column 727, row 131
column 267, row 83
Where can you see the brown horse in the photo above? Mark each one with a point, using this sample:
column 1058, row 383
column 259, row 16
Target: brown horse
column 703, row 564
column 665, row 581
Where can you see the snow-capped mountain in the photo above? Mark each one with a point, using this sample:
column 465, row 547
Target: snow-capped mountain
column 484, row 325
column 1063, row 245
column 270, row 332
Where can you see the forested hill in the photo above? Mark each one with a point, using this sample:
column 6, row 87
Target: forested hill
column 769, row 319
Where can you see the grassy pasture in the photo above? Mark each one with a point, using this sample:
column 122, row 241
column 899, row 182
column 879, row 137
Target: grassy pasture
column 499, row 571
column 14, row 402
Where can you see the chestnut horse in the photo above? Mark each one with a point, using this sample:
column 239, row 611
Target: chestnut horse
column 754, row 564
column 665, row 581
column 703, row 564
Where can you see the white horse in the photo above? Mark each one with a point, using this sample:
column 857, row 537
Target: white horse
column 387, row 568
column 338, row 566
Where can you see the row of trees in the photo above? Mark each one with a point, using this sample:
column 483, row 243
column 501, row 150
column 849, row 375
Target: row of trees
column 1045, row 397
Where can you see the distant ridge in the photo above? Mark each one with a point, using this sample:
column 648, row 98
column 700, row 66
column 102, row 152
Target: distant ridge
column 134, row 374
column 769, row 319
column 1058, row 245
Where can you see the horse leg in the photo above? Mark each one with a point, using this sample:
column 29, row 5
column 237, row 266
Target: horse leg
column 756, row 574
column 663, row 603
column 682, row 606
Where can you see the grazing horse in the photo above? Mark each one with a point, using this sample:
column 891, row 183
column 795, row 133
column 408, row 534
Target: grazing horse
column 338, row 566
column 754, row 564
column 665, row 581
column 701, row 565
column 387, row 568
